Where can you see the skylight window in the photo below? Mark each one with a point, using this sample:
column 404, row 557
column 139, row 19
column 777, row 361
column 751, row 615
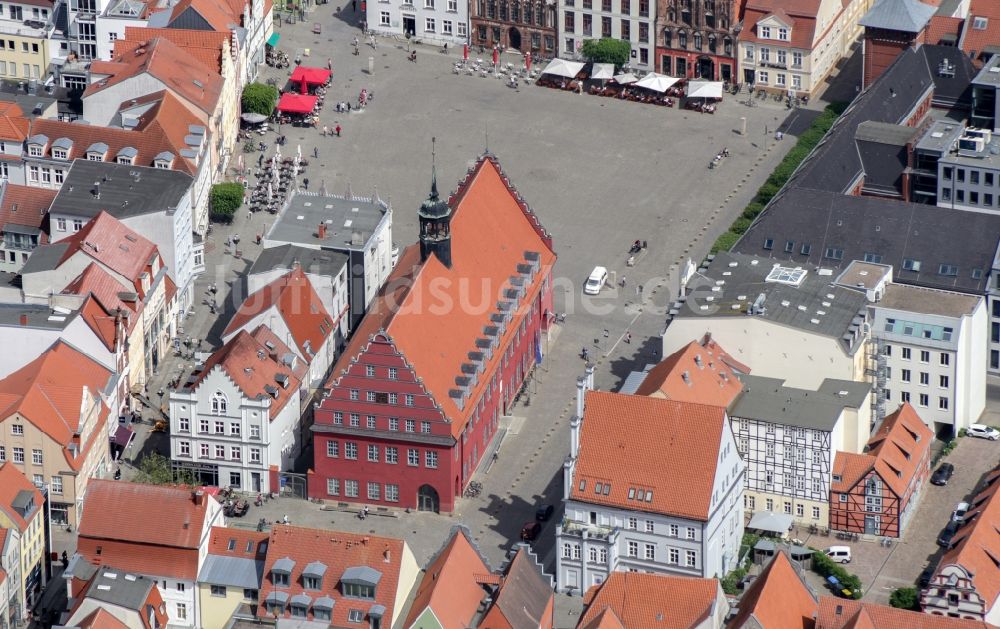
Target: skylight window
column 786, row 275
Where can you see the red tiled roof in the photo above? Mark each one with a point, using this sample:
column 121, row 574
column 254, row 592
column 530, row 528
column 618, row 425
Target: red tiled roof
column 525, row 596
column 490, row 233
column 895, row 451
column 222, row 537
column 639, row 600
column 295, row 300
column 119, row 248
column 116, row 511
column 48, row 392
column 941, row 25
column 13, row 124
column 975, row 40
column 777, row 598
column 158, row 132
column 338, row 551
column 800, row 15
column 101, row 618
column 12, row 483
column 217, row 14
column 839, row 613
column 26, row 205
column 181, row 73
column 606, row 619
column 694, row 373
column 205, row 46
column 638, row 443
column 106, row 290
column 976, row 545
column 101, row 321
column 158, row 561
column 449, row 587
column 249, row 365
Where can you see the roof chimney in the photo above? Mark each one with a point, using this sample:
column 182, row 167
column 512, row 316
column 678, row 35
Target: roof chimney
column 321, row 231
column 24, row 319
column 199, row 497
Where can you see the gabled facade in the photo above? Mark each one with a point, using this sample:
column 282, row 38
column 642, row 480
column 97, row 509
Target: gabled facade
column 24, row 213
column 114, row 532
column 838, row 613
column 678, row 512
column 114, row 598
column 237, row 423
column 14, row 129
column 892, row 26
column 54, row 422
column 528, row 27
column 449, row 594
column 779, row 597
column 335, row 578
column 697, row 38
column 967, row 581
column 789, row 437
column 415, row 400
column 524, row 596
column 876, row 493
column 22, row 508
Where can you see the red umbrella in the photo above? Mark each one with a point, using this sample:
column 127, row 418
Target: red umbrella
column 527, row 61
column 465, row 52
column 496, row 56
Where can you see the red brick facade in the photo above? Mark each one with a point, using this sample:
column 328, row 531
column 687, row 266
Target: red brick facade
column 528, row 26
column 695, row 39
column 882, row 47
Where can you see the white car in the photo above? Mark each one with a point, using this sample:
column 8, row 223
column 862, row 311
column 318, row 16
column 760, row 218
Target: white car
column 983, row 432
column 598, row 278
column 960, row 510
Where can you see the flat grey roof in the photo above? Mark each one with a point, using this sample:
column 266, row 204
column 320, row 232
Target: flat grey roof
column 36, row 316
column 866, row 275
column 989, row 157
column 884, row 133
column 124, row 190
column 769, row 400
column 299, row 220
column 118, row 587
column 940, row 136
column 990, row 74
column 241, row 572
column 909, row 16
column 815, row 305
column 45, row 258
column 928, row 301
column 315, row 261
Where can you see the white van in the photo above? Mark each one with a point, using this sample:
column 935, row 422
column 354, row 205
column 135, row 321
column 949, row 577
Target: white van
column 839, row 554
column 598, row 278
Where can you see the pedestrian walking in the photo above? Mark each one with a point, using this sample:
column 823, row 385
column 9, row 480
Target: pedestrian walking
column 305, row 182
column 638, row 290
column 622, row 282
column 329, row 64
column 337, row 130
column 628, row 338
column 249, row 215
column 316, row 152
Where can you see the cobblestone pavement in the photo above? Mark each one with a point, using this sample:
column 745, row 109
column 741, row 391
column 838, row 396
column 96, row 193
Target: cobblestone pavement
column 599, row 172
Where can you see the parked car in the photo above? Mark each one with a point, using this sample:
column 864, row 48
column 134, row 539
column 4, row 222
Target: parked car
column 960, row 510
column 530, row 531
column 840, row 554
column 944, row 539
column 598, row 278
column 544, row 512
column 925, row 577
column 942, row 474
column 983, row 432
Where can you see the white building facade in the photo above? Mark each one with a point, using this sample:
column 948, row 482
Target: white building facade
column 437, row 22
column 633, row 21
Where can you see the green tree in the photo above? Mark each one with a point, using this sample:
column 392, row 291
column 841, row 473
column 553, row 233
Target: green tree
column 607, row 50
column 905, row 598
column 259, row 98
column 225, row 199
column 155, row 469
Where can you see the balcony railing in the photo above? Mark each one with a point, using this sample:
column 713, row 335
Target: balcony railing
column 576, row 529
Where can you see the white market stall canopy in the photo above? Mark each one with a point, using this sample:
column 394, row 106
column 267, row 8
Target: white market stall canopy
column 602, row 71
column 625, row 79
column 561, row 67
column 704, row 89
column 656, row 82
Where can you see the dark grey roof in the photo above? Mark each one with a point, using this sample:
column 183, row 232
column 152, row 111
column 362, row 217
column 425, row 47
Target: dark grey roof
column 34, row 316
column 324, row 602
column 301, row 600
column 315, row 261
column 990, row 74
column 240, row 572
column 894, row 230
column 277, row 596
column 882, row 147
column 117, row 587
column 884, row 133
column 125, row 190
column 908, row 16
column 737, row 281
column 314, row 569
column 45, row 258
column 64, row 143
column 363, row 575
column 285, row 564
column 299, row 219
column 951, row 88
column 769, row 400
column 376, row 610
column 940, row 136
column 525, row 591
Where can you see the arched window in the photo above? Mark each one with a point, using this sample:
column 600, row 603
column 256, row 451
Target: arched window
column 503, row 10
column 873, row 487
column 219, row 403
column 697, row 41
column 711, row 43
column 682, row 39
column 667, row 37
column 727, row 45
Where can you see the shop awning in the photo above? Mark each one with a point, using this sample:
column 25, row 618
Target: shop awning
column 123, row 437
column 296, row 103
column 771, row 522
column 273, row 39
column 310, row 75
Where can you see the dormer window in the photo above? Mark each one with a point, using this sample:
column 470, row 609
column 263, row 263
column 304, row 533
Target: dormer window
column 281, row 572
column 36, row 150
column 782, row 33
column 126, row 156
column 360, row 582
column 122, row 159
column 164, row 160
column 97, row 151
column 275, row 603
column 300, row 605
column 765, row 32
column 312, row 576
column 95, row 157
column 59, row 153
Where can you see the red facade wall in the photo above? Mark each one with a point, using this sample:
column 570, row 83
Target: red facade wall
column 457, row 458
column 850, row 516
